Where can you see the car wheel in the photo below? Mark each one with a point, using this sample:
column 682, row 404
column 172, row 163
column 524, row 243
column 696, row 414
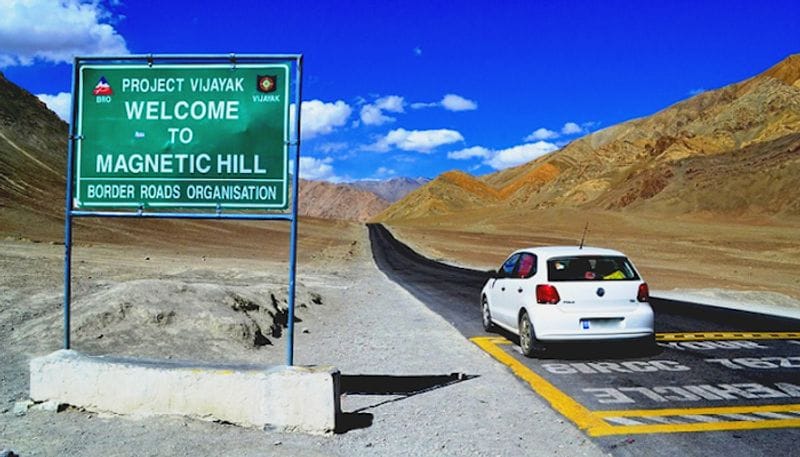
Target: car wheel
column 486, row 315
column 528, row 342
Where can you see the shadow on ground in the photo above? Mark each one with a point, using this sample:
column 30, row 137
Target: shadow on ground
column 399, row 387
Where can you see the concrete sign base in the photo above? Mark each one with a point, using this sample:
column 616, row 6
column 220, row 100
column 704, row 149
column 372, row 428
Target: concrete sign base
column 291, row 398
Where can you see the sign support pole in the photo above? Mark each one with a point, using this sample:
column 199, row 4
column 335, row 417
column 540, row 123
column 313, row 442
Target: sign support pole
column 298, row 97
column 68, row 216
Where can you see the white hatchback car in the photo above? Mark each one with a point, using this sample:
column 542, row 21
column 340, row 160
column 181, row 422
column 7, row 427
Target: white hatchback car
column 567, row 293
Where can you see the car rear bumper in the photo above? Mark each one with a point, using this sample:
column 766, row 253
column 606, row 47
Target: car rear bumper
column 594, row 336
column 553, row 324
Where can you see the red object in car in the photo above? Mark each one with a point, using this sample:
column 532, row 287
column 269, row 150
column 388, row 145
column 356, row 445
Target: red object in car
column 547, row 294
column 644, row 292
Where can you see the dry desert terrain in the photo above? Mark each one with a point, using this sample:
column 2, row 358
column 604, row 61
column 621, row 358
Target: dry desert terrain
column 760, row 254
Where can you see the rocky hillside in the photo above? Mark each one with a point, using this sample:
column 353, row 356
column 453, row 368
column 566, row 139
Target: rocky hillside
column 451, row 192
column 733, row 150
column 337, row 201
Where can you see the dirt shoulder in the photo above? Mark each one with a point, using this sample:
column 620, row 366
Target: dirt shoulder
column 207, row 306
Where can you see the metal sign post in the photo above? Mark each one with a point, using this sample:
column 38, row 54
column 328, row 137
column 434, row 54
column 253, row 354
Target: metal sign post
column 187, row 132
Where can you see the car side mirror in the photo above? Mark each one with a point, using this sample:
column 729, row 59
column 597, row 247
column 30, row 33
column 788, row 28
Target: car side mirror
column 497, row 274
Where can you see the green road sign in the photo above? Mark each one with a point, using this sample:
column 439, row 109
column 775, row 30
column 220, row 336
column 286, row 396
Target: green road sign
column 182, row 136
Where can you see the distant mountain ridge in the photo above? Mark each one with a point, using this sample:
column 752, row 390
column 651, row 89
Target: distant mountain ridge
column 338, row 201
column 733, row 150
column 392, row 189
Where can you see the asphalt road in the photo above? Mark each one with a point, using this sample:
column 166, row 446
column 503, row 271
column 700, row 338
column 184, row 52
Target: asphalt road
column 720, row 382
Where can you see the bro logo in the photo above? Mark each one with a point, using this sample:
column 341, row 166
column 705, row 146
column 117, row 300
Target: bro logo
column 102, row 91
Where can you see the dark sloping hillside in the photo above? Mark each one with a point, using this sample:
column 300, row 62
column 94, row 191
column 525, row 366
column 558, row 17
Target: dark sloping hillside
column 33, row 150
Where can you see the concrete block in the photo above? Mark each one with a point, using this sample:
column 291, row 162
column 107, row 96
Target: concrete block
column 292, row 398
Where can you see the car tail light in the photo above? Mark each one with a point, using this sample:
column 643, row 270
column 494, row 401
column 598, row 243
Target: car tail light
column 644, row 292
column 547, row 294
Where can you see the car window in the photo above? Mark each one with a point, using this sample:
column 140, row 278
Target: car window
column 590, row 268
column 527, row 265
column 509, row 265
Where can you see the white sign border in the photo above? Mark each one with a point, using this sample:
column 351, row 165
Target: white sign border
column 76, row 203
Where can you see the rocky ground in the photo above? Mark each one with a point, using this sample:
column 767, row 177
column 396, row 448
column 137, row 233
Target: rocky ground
column 417, row 387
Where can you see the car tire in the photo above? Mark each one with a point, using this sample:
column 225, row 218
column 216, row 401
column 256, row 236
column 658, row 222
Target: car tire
column 486, row 316
column 528, row 342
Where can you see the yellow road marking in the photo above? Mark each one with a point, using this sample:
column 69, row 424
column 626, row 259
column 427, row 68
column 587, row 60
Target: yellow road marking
column 709, row 410
column 706, row 336
column 593, row 421
column 560, row 401
column 697, row 427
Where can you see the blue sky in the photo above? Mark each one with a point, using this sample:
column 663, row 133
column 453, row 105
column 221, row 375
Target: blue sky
column 418, row 88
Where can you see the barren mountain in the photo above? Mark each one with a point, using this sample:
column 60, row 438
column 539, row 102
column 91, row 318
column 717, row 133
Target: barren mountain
column 390, row 190
column 733, row 150
column 33, row 145
column 338, row 201
column 452, row 191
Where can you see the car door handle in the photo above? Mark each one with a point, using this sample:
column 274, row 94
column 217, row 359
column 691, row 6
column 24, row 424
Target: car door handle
column 519, row 290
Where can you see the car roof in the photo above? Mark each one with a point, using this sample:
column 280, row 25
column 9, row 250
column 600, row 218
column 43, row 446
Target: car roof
column 559, row 251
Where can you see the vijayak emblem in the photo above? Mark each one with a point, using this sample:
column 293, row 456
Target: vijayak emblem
column 267, row 83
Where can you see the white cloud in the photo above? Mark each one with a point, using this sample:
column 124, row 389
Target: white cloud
column 418, row 51
column 416, row 140
column 383, row 171
column 330, row 147
column 420, row 105
column 541, row 134
column 698, row 91
column 453, row 102
column 372, row 114
column 518, row 155
column 55, row 31
column 391, row 103
column 60, row 104
column 321, row 118
column 505, row 158
column 571, row 128
column 469, row 153
column 319, row 169
column 404, row 158
column 450, row 102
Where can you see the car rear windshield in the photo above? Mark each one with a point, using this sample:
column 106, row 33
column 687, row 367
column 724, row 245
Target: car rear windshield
column 590, row 268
